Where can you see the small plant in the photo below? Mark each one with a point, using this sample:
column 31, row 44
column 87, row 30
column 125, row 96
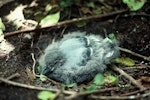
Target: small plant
column 125, row 61
column 66, row 3
column 135, row 5
column 2, row 27
column 46, row 95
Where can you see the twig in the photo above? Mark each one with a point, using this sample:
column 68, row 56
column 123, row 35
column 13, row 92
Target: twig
column 134, row 92
column 53, row 82
column 136, row 14
column 65, row 23
column 127, row 76
column 63, row 31
column 73, row 96
column 133, row 97
column 136, row 67
column 5, row 2
column 60, row 94
column 13, row 76
column 131, row 15
column 135, row 54
column 32, row 87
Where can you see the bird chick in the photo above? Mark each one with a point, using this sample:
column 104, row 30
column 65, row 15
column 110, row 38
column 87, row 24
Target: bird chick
column 77, row 57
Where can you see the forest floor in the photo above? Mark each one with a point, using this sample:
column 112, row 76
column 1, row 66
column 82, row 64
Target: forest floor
column 131, row 29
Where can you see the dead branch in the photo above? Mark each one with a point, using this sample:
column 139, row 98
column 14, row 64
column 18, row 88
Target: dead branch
column 73, row 96
column 33, row 87
column 135, row 54
column 115, row 68
column 134, row 92
column 65, row 22
column 13, row 76
column 133, row 97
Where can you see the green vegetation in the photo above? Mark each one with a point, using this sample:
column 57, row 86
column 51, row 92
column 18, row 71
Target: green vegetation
column 134, row 5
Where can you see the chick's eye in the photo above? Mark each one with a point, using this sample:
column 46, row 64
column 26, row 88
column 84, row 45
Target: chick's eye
column 55, row 62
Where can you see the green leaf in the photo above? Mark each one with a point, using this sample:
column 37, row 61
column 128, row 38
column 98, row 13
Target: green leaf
column 43, row 78
column 69, row 85
column 38, row 15
column 66, row 3
column 113, row 80
column 81, row 90
column 134, row 5
column 91, row 4
column 2, row 26
column 128, row 85
column 111, row 36
column 17, row 24
column 98, row 11
column 81, row 24
column 39, row 69
column 125, row 61
column 46, row 95
column 92, row 88
column 1, row 32
column 50, row 19
column 99, row 79
column 48, row 7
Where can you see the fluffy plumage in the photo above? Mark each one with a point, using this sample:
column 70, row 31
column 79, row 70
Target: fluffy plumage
column 77, row 57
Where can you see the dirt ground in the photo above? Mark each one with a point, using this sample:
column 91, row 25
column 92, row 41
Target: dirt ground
column 132, row 31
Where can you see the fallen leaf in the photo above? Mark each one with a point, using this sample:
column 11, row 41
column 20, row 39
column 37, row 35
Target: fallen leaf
column 17, row 13
column 134, row 5
column 110, row 79
column 43, row 78
column 30, row 74
column 91, row 88
column 46, row 95
column 91, row 4
column 98, row 79
column 2, row 26
column 81, row 24
column 50, row 19
column 125, row 61
column 5, row 47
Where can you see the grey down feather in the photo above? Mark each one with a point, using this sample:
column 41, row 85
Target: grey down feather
column 78, row 57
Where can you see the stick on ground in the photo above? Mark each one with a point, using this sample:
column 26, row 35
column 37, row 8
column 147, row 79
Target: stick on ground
column 128, row 77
